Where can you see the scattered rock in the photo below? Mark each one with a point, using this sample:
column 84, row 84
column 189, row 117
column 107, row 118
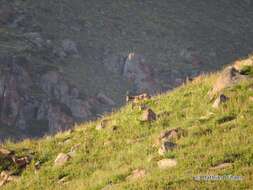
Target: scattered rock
column 5, row 152
column 229, row 77
column 102, row 124
column 6, row 177
column 238, row 65
column 175, row 133
column 3, row 180
column 166, row 163
column 136, row 174
column 148, row 115
column 169, row 135
column 221, row 99
column 166, row 147
column 61, row 159
column 221, row 166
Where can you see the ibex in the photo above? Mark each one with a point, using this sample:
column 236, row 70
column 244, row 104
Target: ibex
column 136, row 99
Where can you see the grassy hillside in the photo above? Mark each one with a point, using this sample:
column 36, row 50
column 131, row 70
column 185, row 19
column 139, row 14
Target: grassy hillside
column 88, row 43
column 105, row 158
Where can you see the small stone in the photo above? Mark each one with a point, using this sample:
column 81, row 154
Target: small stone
column 221, row 166
column 166, row 163
column 239, row 65
column 103, row 124
column 169, row 135
column 61, row 159
column 5, row 152
column 228, row 77
column 5, row 174
column 172, row 134
column 221, row 99
column 13, row 178
column 166, row 147
column 6, row 177
column 148, row 115
column 137, row 174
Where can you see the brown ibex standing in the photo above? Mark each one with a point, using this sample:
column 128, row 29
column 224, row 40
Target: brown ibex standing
column 136, row 99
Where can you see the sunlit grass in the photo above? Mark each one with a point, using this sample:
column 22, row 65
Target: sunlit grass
column 214, row 136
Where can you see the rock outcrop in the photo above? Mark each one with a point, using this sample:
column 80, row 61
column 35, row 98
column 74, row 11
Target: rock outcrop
column 137, row 175
column 56, row 87
column 45, row 103
column 139, row 73
column 15, row 85
column 61, row 159
column 166, row 163
column 229, row 77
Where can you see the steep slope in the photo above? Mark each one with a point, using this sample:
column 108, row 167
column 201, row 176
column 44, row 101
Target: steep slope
column 106, row 48
column 126, row 152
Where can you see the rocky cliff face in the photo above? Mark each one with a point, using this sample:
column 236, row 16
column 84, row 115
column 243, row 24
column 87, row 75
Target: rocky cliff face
column 66, row 62
column 46, row 99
